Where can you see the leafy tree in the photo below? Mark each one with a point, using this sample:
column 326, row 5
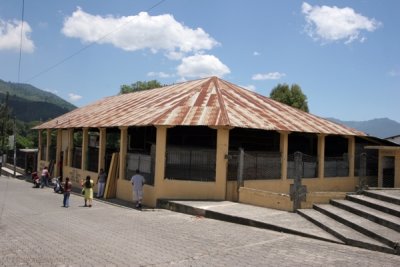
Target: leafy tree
column 139, row 86
column 292, row 96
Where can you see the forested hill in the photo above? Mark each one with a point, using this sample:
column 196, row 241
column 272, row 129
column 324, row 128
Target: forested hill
column 29, row 103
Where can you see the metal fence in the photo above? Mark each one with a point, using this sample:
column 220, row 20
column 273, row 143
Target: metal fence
column 336, row 166
column 190, row 164
column 257, row 165
column 309, row 166
column 142, row 162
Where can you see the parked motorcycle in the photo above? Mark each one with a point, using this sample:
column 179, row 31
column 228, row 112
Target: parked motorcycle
column 58, row 187
column 35, row 180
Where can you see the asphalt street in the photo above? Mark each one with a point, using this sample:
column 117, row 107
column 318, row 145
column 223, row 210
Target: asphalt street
column 35, row 230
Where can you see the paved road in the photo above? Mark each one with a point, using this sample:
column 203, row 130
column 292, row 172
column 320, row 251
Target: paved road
column 36, row 231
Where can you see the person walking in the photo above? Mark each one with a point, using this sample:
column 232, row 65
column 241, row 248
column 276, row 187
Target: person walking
column 137, row 181
column 88, row 187
column 101, row 181
column 67, row 192
column 44, row 177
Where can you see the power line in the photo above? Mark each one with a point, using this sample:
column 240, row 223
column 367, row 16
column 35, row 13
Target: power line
column 21, row 39
column 88, row 45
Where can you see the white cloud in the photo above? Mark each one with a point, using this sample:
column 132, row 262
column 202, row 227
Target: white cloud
column 142, row 31
column 268, row 76
column 74, row 97
column 329, row 24
column 249, row 87
column 10, row 36
column 158, row 74
column 394, row 72
column 255, row 53
column 199, row 66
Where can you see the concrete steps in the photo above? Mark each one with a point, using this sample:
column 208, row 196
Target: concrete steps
column 369, row 221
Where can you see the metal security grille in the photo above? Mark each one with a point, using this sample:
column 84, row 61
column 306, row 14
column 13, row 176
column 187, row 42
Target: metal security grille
column 92, row 161
column 77, row 157
column 309, row 166
column 257, row 165
column 190, row 164
column 142, row 162
column 336, row 166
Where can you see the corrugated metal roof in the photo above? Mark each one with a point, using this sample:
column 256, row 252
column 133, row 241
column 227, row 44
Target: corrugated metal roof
column 206, row 102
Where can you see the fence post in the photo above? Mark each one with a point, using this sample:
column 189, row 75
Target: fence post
column 362, row 173
column 240, row 168
column 297, row 190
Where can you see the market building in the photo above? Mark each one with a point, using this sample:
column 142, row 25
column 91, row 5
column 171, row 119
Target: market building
column 193, row 140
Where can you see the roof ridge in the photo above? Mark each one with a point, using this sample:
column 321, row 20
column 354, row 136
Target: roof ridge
column 221, row 101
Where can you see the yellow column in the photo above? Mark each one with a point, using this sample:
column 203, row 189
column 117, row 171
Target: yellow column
column 321, row 155
column 122, row 152
column 48, row 143
column 70, row 146
column 284, row 145
column 85, row 141
column 351, row 154
column 221, row 162
column 161, row 146
column 102, row 148
column 40, row 147
column 58, row 153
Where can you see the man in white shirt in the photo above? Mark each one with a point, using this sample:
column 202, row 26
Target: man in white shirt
column 137, row 188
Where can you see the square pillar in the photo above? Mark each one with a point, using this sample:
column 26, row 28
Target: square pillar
column 122, row 152
column 284, row 145
column 85, row 141
column 58, row 164
column 40, row 141
column 48, row 143
column 161, row 147
column 352, row 154
column 321, row 156
column 222, row 162
column 102, row 148
column 70, row 146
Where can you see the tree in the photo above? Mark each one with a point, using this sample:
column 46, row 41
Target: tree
column 139, row 86
column 293, row 97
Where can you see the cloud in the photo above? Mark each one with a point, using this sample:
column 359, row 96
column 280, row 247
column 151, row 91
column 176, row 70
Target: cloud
column 268, row 76
column 328, row 24
column 394, row 73
column 142, row 31
column 10, row 36
column 249, row 87
column 74, row 97
column 158, row 74
column 200, row 66
column 255, row 53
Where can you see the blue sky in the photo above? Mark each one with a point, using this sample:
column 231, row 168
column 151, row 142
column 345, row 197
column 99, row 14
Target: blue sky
column 345, row 55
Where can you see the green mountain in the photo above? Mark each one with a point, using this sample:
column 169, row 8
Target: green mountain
column 29, row 103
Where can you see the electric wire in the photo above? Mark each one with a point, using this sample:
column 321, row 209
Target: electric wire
column 89, row 45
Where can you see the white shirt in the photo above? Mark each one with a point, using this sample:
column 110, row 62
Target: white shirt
column 137, row 181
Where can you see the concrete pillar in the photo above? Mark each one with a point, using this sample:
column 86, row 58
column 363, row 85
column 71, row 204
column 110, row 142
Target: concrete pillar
column 122, row 152
column 40, row 141
column 85, row 142
column 351, row 154
column 48, row 143
column 161, row 146
column 284, row 145
column 70, row 146
column 321, row 156
column 102, row 148
column 222, row 162
column 58, row 154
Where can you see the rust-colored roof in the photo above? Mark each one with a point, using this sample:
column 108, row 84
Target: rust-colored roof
column 206, row 102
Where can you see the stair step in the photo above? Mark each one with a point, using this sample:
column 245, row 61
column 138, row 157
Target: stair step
column 343, row 232
column 377, row 204
column 391, row 196
column 365, row 226
column 382, row 218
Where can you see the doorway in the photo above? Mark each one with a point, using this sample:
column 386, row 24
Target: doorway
column 388, row 172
